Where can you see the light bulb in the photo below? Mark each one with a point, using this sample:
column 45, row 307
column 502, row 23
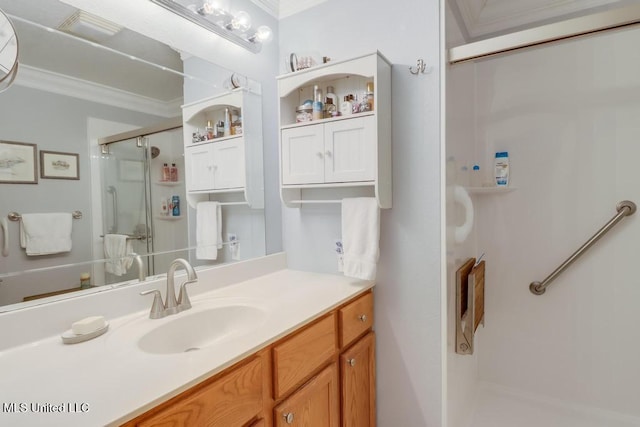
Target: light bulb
column 263, row 34
column 241, row 21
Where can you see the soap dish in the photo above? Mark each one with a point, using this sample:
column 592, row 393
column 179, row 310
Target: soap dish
column 70, row 338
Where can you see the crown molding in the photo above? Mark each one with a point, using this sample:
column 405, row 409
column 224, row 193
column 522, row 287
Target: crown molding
column 269, row 6
column 291, row 7
column 49, row 81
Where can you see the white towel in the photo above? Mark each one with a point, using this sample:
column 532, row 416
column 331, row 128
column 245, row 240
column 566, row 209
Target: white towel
column 208, row 230
column 46, row 233
column 116, row 250
column 360, row 237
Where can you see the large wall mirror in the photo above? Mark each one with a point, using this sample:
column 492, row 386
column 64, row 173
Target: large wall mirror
column 92, row 118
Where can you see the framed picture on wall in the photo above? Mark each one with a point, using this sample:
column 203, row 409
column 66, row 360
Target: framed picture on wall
column 57, row 165
column 18, row 163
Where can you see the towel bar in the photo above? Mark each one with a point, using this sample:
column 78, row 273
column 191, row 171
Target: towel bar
column 134, row 237
column 15, row 216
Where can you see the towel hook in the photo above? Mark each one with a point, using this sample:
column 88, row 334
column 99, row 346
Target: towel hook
column 421, row 67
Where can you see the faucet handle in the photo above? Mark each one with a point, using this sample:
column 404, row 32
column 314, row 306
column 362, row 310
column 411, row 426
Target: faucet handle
column 157, row 308
column 183, row 297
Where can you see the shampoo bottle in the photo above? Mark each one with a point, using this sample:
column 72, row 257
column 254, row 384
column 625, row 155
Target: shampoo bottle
column 502, row 169
column 174, row 172
column 166, row 174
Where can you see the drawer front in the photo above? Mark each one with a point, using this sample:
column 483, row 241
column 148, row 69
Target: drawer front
column 355, row 319
column 232, row 400
column 299, row 356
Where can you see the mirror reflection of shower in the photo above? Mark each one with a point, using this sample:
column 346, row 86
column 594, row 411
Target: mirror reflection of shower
column 133, row 192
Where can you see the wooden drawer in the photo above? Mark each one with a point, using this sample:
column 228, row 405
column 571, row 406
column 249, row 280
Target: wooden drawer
column 296, row 359
column 355, row 319
column 232, row 400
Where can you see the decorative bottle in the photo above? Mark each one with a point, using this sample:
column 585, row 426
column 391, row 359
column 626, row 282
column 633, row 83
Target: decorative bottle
column 318, row 107
column 346, row 106
column 227, row 122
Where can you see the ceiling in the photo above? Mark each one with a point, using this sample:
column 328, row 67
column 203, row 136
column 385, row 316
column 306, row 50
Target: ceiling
column 480, row 19
column 476, row 19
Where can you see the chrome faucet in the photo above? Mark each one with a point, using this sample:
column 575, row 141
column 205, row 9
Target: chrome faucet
column 171, row 305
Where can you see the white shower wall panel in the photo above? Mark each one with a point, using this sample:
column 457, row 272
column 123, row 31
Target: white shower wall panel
column 568, row 114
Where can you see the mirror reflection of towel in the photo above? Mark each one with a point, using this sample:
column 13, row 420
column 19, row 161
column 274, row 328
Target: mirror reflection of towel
column 117, row 247
column 45, row 233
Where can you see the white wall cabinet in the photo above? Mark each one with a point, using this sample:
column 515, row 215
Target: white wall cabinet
column 341, row 151
column 216, row 166
column 351, row 153
column 230, row 165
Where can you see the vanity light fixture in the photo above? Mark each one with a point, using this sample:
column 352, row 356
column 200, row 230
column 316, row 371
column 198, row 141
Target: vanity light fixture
column 215, row 17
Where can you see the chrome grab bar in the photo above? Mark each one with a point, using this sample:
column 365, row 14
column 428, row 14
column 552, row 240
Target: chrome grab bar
column 624, row 208
column 114, row 197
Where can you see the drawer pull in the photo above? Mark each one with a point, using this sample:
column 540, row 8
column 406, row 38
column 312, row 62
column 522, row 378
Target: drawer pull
column 362, row 318
column 351, row 362
column 288, row 418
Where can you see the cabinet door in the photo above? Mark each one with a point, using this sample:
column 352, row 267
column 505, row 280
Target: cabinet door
column 316, row 404
column 357, row 369
column 302, row 155
column 350, row 150
column 199, row 168
column 228, row 164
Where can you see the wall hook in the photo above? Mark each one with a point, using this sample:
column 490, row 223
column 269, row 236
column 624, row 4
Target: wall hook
column 421, row 67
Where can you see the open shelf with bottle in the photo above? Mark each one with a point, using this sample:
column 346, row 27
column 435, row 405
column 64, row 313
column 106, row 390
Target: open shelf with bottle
column 349, row 150
column 230, row 159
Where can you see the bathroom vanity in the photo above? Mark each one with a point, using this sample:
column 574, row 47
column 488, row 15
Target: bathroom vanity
column 262, row 345
column 315, row 376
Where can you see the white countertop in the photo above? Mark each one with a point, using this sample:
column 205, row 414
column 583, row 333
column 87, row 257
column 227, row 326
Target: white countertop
column 109, row 380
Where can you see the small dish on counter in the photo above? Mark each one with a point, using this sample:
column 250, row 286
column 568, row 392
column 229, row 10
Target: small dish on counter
column 69, row 337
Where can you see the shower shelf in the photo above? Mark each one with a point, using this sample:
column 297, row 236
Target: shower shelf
column 169, row 183
column 169, row 218
column 489, row 190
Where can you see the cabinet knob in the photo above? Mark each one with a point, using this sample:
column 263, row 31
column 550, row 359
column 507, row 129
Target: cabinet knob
column 327, row 153
column 362, row 318
column 288, row 418
column 351, row 362
column 319, row 154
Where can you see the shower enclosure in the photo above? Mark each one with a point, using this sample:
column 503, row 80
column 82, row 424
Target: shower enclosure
column 133, row 193
column 567, row 113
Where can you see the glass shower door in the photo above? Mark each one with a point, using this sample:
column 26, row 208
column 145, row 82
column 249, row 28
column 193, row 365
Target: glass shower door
column 125, row 203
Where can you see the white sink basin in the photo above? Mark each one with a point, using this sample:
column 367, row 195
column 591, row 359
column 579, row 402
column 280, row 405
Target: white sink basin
column 200, row 329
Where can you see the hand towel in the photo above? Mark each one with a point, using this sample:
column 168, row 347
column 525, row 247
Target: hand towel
column 45, row 233
column 208, row 230
column 360, row 237
column 117, row 251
